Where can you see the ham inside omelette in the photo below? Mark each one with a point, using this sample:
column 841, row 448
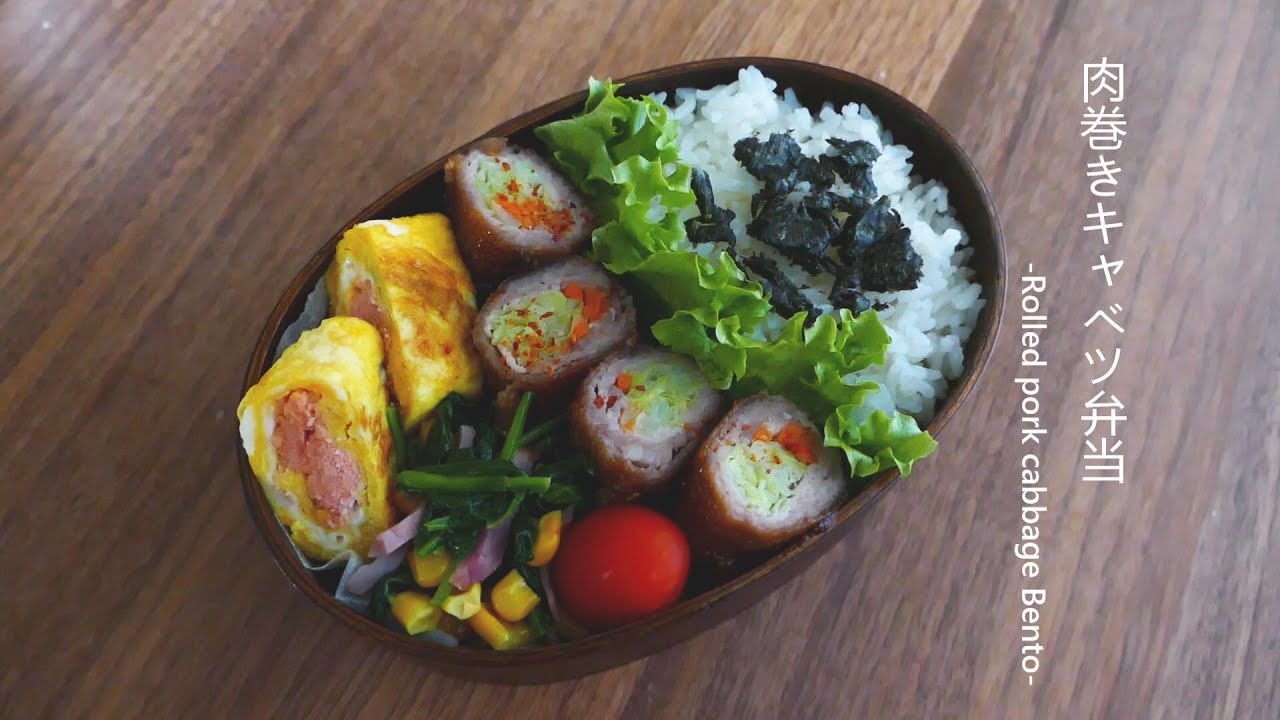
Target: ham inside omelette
column 304, row 445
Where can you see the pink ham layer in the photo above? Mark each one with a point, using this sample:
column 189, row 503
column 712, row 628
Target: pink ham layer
column 364, row 305
column 303, row 444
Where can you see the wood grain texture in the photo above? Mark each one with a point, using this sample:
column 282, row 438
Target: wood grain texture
column 166, row 167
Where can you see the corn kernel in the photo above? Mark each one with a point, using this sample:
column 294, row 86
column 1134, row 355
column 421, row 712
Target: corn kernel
column 512, row 598
column 463, row 605
column 429, row 571
column 415, row 612
column 548, row 540
column 500, row 634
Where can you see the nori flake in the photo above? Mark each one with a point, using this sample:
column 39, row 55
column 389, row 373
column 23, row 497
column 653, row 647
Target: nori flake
column 771, row 160
column 852, row 158
column 879, row 245
column 891, row 264
column 793, row 226
column 812, row 264
column 783, row 294
column 860, row 231
column 847, row 292
column 852, row 162
column 779, row 162
column 712, row 223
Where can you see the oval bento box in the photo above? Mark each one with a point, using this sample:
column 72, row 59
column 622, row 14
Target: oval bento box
column 936, row 156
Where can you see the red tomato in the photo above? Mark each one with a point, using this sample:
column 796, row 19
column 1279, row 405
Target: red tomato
column 619, row 564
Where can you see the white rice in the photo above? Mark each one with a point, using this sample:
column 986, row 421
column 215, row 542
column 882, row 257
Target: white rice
column 928, row 325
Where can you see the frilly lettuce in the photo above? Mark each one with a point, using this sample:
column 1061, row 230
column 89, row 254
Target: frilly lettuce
column 622, row 154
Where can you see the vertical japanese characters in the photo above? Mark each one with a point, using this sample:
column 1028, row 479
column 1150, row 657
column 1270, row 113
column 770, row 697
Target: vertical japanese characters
column 1104, row 128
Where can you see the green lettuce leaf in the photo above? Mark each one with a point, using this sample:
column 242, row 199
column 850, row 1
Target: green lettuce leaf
column 877, row 441
column 621, row 152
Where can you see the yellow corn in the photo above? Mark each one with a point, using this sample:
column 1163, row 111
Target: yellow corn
column 463, row 605
column 548, row 541
column 512, row 598
column 429, row 571
column 500, row 634
column 415, row 612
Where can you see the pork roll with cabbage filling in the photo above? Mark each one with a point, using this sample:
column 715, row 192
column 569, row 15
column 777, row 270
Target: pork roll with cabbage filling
column 513, row 211
column 640, row 413
column 543, row 331
column 762, row 477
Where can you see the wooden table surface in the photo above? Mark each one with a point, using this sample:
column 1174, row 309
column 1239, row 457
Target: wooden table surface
column 167, row 166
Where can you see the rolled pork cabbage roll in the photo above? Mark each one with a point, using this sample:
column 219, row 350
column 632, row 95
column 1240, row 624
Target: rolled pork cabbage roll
column 761, row 477
column 513, row 210
column 542, row 331
column 641, row 414
column 315, row 431
column 405, row 277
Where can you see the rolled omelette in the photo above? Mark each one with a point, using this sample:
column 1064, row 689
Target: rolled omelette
column 406, row 278
column 315, row 430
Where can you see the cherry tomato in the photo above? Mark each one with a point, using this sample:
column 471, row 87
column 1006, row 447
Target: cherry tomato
column 619, row 564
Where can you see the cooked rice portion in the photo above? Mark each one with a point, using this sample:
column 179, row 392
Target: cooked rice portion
column 929, row 324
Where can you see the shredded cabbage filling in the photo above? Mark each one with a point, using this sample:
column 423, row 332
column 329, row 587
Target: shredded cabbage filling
column 659, row 395
column 765, row 473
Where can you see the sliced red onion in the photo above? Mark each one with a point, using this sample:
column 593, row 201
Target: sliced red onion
column 466, row 436
column 486, row 558
column 525, row 458
column 366, row 576
column 398, row 535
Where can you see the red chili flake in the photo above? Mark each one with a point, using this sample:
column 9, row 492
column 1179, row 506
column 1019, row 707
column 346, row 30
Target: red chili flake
column 640, row 388
column 613, row 399
column 599, row 401
column 535, row 212
column 522, row 313
column 545, row 315
column 513, row 187
column 447, row 349
column 506, row 165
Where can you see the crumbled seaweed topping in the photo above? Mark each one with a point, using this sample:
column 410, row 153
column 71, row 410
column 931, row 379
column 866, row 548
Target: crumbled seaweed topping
column 849, row 234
